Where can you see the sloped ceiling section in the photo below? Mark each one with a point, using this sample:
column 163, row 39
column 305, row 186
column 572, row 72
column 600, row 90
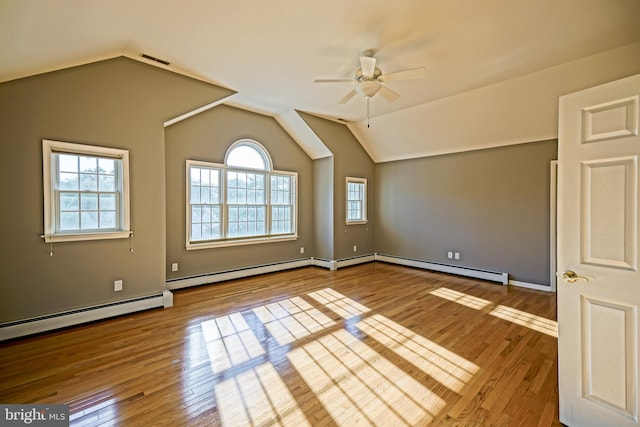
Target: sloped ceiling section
column 270, row 52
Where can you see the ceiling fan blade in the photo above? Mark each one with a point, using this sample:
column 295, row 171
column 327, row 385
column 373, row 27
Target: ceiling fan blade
column 388, row 94
column 414, row 73
column 347, row 97
column 333, row 81
column 368, row 66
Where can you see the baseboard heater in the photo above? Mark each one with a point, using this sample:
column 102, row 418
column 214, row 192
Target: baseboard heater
column 50, row 322
column 445, row 268
column 239, row 273
column 222, row 276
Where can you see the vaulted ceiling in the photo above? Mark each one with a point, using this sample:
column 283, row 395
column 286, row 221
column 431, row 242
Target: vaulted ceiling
column 271, row 52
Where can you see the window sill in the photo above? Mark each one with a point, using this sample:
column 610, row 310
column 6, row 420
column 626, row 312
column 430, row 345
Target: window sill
column 240, row 242
column 356, row 222
column 56, row 238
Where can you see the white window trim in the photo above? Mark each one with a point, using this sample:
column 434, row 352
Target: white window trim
column 227, row 242
column 354, row 180
column 48, row 148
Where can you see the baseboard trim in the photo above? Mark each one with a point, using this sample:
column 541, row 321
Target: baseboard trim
column 334, row 264
column 355, row 261
column 493, row 276
column 37, row 325
column 530, row 286
column 329, row 264
column 236, row 274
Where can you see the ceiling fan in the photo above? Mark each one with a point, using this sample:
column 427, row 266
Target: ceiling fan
column 369, row 79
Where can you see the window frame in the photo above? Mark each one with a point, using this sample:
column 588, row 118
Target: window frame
column 363, row 182
column 269, row 172
column 50, row 149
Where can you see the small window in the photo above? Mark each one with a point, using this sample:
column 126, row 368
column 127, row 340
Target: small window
column 356, row 200
column 86, row 192
column 240, row 202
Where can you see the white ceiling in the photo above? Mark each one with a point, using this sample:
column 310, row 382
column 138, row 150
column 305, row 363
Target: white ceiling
column 271, row 51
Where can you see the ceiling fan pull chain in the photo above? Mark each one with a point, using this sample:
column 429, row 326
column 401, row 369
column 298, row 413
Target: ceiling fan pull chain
column 368, row 98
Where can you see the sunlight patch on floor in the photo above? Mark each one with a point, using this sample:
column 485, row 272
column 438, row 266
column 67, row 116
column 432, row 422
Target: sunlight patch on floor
column 341, row 305
column 258, row 397
column 445, row 366
column 461, row 298
column 103, row 412
column 292, row 319
column 358, row 386
column 230, row 342
column 522, row 318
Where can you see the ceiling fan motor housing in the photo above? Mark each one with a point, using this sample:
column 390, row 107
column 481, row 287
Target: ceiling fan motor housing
column 360, row 77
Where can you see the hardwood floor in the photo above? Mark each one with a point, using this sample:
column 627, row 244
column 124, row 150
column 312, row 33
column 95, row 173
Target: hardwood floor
column 374, row 344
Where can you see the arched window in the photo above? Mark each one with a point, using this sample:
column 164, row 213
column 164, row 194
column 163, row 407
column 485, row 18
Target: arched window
column 248, row 154
column 241, row 201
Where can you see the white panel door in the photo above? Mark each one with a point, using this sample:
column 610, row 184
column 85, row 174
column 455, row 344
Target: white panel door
column 598, row 282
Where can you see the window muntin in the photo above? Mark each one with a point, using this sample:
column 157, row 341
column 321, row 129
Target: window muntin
column 85, row 191
column 253, row 203
column 356, row 200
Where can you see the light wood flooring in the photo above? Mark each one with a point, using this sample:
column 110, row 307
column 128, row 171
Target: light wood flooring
column 373, row 344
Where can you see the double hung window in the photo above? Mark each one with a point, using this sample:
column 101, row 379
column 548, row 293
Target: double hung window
column 86, row 192
column 242, row 201
column 356, row 201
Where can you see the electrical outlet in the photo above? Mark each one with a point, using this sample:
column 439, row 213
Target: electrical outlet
column 450, row 255
column 174, row 266
column 457, row 255
column 302, row 249
column 355, row 248
column 117, row 285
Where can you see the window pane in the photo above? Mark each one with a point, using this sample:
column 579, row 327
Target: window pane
column 214, row 195
column 195, row 194
column 107, row 219
column 107, row 166
column 107, row 183
column 68, row 163
column 204, row 194
column 69, row 221
column 206, row 231
column 108, row 202
column 88, row 164
column 195, row 176
column 195, row 232
column 205, row 177
column 196, row 214
column 206, row 214
column 88, row 182
column 89, row 220
column 89, row 202
column 68, row 181
column 69, row 202
column 246, row 156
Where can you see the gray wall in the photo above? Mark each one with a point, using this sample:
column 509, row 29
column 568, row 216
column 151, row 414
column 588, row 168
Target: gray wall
column 207, row 137
column 323, row 189
column 117, row 103
column 349, row 159
column 492, row 206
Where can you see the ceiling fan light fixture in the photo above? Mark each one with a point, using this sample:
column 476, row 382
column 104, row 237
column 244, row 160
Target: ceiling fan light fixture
column 368, row 88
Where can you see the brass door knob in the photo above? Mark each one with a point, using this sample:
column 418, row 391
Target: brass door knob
column 570, row 276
